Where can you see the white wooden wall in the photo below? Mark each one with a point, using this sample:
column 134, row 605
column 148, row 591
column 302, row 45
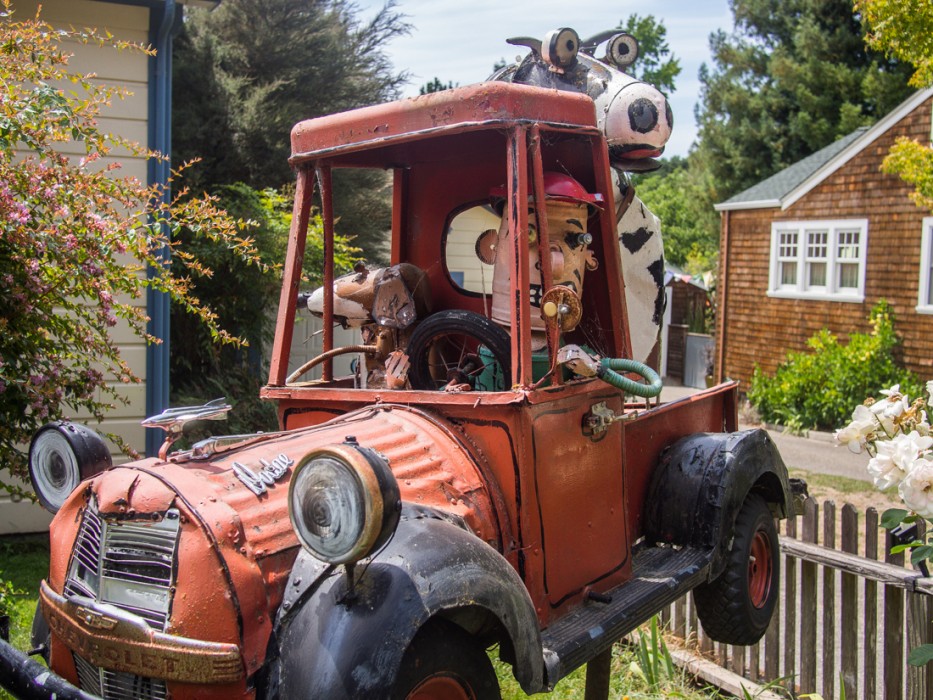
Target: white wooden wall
column 128, row 118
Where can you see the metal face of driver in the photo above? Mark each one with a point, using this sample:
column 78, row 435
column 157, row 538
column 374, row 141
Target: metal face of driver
column 343, row 502
column 61, row 455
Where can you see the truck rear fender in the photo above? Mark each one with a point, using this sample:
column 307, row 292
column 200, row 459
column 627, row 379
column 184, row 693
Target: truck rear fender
column 701, row 483
column 338, row 641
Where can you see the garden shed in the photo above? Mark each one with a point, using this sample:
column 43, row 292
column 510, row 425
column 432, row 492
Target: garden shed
column 819, row 243
column 685, row 336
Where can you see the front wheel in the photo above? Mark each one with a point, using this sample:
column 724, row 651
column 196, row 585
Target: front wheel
column 736, row 607
column 444, row 663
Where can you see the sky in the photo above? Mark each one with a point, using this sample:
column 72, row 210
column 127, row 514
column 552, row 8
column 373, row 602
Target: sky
column 461, row 40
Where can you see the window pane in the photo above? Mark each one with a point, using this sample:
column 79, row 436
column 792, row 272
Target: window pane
column 848, row 245
column 848, row 276
column 787, row 247
column 816, row 244
column 788, row 273
column 816, row 274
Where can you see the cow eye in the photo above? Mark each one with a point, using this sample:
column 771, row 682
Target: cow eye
column 560, row 46
column 622, row 50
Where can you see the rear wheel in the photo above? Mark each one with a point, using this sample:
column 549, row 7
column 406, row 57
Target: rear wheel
column 736, row 607
column 444, row 663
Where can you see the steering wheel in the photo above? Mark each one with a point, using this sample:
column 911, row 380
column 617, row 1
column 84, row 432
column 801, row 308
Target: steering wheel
column 459, row 347
column 315, row 361
column 609, row 370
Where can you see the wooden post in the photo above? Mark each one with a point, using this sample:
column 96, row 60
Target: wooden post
column 893, row 629
column 829, row 605
column 918, row 632
column 808, row 603
column 850, row 612
column 597, row 676
column 870, row 613
column 790, row 611
column 680, row 618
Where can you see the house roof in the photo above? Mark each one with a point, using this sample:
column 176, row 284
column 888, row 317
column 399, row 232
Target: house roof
column 790, row 184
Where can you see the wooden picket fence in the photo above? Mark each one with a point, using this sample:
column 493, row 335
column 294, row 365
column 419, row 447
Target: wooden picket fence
column 845, row 619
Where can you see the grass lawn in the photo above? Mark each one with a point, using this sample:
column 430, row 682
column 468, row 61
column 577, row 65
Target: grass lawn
column 24, row 561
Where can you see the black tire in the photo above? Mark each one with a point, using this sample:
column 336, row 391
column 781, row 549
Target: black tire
column 442, row 663
column 445, row 347
column 736, row 607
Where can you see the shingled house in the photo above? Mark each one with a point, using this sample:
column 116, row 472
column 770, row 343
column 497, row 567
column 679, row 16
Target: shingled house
column 819, row 243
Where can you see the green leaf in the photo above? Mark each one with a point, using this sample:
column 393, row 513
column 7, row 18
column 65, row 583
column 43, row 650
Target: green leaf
column 921, row 553
column 920, row 655
column 893, row 517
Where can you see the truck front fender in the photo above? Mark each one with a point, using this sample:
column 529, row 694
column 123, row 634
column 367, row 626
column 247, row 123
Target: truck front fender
column 337, row 640
column 701, row 483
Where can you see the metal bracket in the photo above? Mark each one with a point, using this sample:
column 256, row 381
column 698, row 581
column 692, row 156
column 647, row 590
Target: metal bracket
column 599, row 418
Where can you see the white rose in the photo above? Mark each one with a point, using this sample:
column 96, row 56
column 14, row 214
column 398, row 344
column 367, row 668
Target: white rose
column 856, row 434
column 884, row 472
column 916, row 489
column 896, row 457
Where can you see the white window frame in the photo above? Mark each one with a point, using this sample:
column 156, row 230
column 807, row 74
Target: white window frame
column 926, row 261
column 801, row 289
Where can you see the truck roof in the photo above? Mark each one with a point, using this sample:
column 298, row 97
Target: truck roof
column 479, row 106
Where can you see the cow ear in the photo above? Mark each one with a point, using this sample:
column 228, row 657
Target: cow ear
column 559, row 48
column 622, row 50
column 530, row 42
column 588, row 46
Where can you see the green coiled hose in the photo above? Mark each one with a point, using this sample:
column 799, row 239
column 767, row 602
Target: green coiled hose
column 609, row 369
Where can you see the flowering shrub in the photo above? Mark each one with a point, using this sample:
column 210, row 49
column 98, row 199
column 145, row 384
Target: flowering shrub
column 79, row 242
column 895, row 431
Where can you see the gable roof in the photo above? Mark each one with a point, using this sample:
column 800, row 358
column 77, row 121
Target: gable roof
column 790, row 184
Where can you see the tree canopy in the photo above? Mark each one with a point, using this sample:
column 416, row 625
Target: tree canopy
column 908, row 36
column 246, row 72
column 792, row 77
column 680, row 195
column 655, row 64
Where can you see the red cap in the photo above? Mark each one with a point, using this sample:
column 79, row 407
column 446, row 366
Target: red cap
column 561, row 187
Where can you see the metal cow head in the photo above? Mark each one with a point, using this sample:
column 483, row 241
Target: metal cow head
column 634, row 115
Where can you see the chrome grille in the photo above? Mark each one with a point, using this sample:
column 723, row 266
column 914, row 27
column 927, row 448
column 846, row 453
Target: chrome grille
column 84, row 573
column 115, row 685
column 130, row 565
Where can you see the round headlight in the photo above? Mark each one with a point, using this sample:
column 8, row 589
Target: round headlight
column 343, row 502
column 61, row 456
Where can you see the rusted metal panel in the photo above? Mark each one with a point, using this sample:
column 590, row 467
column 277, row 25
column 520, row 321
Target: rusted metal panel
column 580, row 488
column 481, row 104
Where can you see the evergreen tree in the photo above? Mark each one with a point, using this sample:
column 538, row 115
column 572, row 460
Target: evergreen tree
column 435, row 86
column 792, row 77
column 247, row 71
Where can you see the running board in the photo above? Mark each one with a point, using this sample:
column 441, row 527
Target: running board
column 661, row 575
